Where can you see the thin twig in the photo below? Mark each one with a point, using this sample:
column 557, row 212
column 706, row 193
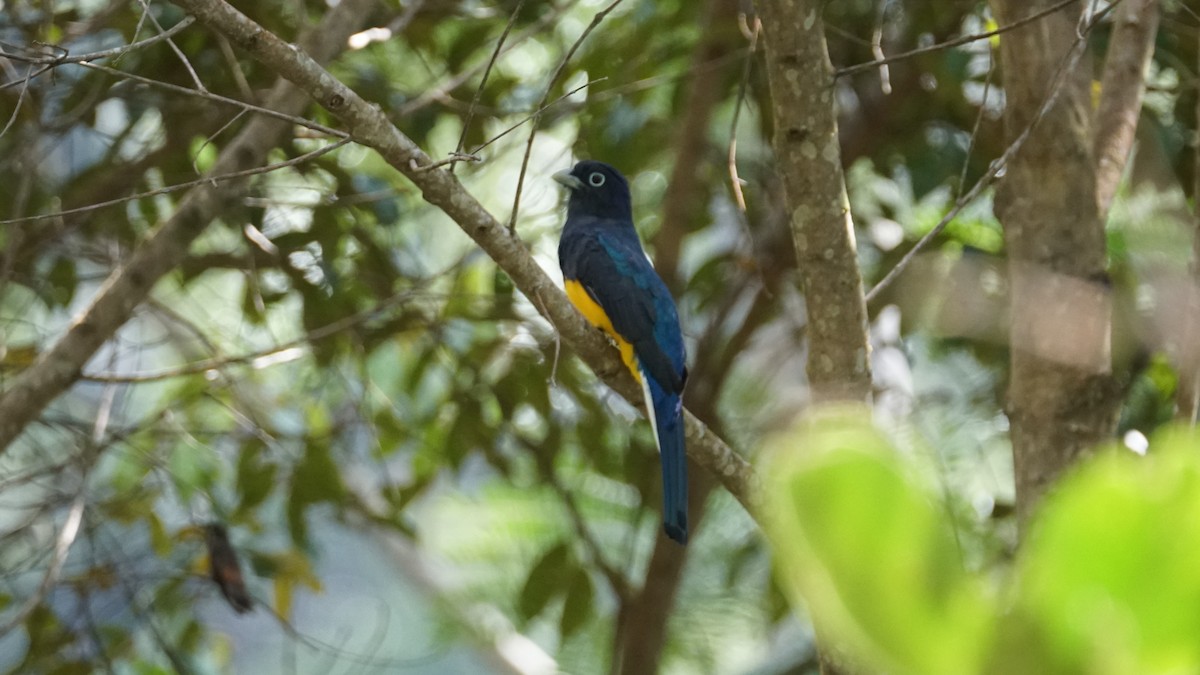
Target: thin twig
column 454, row 158
column 735, row 181
column 217, row 363
column 956, row 42
column 557, row 345
column 466, row 127
column 209, row 96
column 437, row 92
column 208, row 141
column 885, row 80
column 175, row 48
column 20, row 100
column 401, row 22
column 535, row 114
column 102, row 54
column 183, row 186
column 651, row 82
column 987, row 88
column 62, row 546
column 235, row 68
column 998, row 165
column 562, row 65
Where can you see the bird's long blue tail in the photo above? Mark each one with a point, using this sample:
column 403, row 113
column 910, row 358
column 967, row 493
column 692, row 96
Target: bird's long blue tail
column 668, row 425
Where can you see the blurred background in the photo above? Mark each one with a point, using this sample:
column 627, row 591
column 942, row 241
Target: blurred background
column 413, row 476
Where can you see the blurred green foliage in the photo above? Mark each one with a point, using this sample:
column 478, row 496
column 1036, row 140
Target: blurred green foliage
column 1105, row 582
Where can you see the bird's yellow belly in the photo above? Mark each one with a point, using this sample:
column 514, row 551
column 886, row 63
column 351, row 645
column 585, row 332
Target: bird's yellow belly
column 595, row 315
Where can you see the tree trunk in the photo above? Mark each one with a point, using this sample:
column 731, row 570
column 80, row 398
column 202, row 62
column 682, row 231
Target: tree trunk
column 1061, row 398
column 810, row 166
column 808, row 154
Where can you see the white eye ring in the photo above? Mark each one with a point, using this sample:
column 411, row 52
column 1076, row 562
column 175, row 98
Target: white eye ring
column 596, row 179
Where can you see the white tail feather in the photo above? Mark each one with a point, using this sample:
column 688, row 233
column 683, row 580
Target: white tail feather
column 650, row 408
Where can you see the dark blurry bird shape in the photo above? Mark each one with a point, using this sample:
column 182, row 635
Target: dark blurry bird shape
column 225, row 569
column 611, row 282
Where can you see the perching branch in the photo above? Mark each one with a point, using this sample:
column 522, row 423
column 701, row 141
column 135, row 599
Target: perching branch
column 370, row 126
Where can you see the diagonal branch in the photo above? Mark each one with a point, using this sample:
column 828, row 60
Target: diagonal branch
column 61, row 365
column 1121, row 89
column 371, row 127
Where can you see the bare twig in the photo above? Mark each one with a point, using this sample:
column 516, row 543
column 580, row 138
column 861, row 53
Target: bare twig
column 410, row 12
column 1187, row 400
column 537, row 116
column 997, row 166
column 20, row 100
column 62, row 546
column 63, row 58
column 454, row 158
column 735, row 182
column 438, row 92
column 885, row 79
column 217, row 98
column 205, row 180
column 956, row 42
column 175, row 48
column 987, row 90
column 262, row 355
column 235, row 69
column 466, row 126
column 616, row 579
column 534, row 115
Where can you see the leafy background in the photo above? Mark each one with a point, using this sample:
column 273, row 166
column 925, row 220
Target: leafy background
column 413, row 473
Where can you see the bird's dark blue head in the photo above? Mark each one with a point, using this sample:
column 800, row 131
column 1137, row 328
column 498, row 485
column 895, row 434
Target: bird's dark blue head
column 597, row 190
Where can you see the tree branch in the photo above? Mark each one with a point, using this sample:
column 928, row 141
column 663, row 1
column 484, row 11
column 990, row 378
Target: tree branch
column 369, row 126
column 1121, row 89
column 810, row 166
column 60, row 366
column 1187, row 400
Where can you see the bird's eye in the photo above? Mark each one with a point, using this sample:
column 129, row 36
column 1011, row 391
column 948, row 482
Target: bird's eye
column 596, row 179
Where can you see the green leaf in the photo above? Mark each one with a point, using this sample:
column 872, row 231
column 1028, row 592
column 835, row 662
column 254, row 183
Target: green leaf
column 315, row 479
column 192, row 467
column 255, row 478
column 547, row 579
column 1109, row 575
column 203, row 153
column 862, row 543
column 579, row 604
column 160, row 541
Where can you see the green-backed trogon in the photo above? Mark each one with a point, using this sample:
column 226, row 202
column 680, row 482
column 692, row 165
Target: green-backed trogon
column 611, row 282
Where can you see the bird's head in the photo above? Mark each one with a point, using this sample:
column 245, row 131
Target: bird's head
column 597, row 189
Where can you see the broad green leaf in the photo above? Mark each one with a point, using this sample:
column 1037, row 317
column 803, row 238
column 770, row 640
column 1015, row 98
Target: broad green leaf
column 255, row 478
column 315, row 479
column 578, row 607
column 547, row 578
column 866, row 548
column 1110, row 572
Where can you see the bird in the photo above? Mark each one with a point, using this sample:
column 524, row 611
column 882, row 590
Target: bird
column 224, row 568
column 609, row 279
